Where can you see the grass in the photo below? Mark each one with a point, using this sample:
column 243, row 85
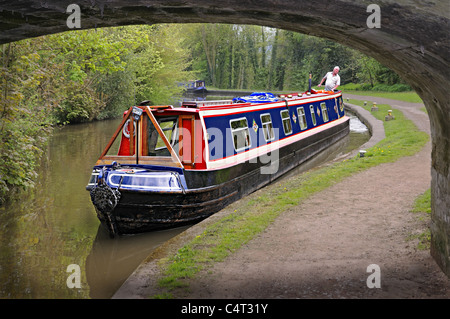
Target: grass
column 410, row 96
column 422, row 203
column 228, row 234
column 422, row 207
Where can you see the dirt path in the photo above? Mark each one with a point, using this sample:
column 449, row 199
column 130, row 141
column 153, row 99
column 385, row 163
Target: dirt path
column 322, row 248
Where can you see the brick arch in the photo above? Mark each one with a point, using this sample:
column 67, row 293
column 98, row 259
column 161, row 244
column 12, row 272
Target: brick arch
column 413, row 40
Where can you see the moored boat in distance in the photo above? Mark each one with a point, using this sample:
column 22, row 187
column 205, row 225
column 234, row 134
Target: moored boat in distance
column 196, row 87
column 167, row 166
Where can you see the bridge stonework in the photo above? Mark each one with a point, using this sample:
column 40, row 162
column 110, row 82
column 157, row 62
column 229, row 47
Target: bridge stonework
column 412, row 39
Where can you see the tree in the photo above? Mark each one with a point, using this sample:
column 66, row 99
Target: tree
column 79, row 76
column 160, row 65
column 24, row 126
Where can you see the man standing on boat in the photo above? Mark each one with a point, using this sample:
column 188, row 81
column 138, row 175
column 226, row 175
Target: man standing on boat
column 333, row 80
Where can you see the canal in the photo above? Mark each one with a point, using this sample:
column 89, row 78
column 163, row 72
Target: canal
column 54, row 226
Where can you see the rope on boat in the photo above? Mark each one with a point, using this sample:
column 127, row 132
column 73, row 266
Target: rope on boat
column 105, row 199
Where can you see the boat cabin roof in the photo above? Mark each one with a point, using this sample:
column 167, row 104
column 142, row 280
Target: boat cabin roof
column 172, row 137
column 228, row 103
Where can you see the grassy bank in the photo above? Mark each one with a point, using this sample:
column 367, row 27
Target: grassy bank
column 410, row 96
column 258, row 210
column 422, row 208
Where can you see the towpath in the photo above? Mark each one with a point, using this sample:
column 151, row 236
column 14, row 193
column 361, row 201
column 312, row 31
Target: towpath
column 323, row 247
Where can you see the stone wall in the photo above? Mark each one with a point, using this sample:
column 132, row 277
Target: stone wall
column 413, row 40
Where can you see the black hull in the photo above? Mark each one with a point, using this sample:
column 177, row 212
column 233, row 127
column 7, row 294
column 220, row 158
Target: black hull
column 210, row 191
column 197, row 91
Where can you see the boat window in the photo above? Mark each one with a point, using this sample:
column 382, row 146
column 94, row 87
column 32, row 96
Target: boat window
column 323, row 106
column 286, row 119
column 301, row 117
column 266, row 121
column 156, row 146
column 313, row 115
column 240, row 133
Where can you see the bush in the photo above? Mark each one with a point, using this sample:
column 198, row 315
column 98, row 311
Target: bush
column 391, row 88
column 351, row 86
column 22, row 145
column 400, row 88
column 356, row 87
column 81, row 104
column 381, row 87
column 365, row 87
column 117, row 91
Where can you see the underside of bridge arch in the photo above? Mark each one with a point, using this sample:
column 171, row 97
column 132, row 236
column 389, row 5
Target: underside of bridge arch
column 413, row 40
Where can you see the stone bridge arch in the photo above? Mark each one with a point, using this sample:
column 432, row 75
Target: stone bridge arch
column 413, row 40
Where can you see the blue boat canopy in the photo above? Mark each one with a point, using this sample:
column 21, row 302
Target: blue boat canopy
column 257, row 97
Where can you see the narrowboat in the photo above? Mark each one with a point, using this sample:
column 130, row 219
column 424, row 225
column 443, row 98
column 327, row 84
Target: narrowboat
column 196, row 87
column 168, row 166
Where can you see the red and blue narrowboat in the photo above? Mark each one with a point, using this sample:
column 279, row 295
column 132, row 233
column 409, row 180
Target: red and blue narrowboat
column 168, row 166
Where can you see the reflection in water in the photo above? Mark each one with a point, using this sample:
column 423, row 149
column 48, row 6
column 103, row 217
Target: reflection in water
column 55, row 226
column 111, row 261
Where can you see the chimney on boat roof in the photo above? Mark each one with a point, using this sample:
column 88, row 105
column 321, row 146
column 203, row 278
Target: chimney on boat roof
column 189, row 104
column 145, row 103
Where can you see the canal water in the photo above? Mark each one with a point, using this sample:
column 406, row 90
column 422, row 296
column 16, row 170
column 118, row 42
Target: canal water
column 51, row 234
